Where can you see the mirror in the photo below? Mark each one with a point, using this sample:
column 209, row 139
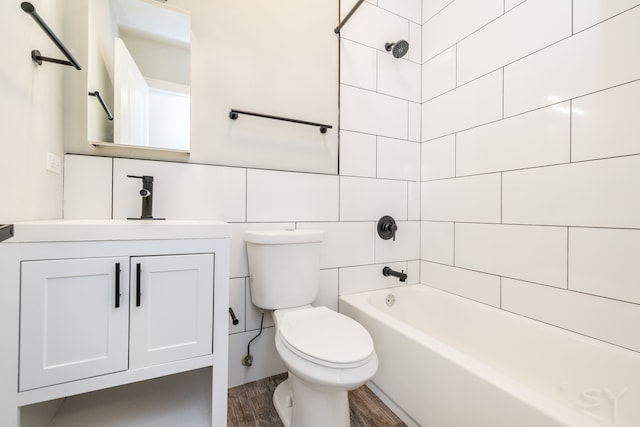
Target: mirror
column 139, row 65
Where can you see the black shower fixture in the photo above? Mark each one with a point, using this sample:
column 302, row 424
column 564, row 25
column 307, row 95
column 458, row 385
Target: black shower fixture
column 398, row 49
column 387, row 228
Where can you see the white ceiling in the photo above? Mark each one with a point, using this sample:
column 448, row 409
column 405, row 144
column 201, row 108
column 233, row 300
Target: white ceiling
column 153, row 18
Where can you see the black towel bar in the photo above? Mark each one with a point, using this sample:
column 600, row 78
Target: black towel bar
column 233, row 115
column 35, row 54
column 105, row 107
column 6, row 231
column 346, row 18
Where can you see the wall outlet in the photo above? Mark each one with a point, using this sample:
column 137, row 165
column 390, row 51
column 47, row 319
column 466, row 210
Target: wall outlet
column 54, row 163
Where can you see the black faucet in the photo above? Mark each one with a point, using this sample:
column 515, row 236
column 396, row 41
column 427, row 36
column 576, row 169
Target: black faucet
column 387, row 271
column 147, row 196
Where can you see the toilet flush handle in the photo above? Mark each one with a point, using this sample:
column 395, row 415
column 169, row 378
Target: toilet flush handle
column 234, row 319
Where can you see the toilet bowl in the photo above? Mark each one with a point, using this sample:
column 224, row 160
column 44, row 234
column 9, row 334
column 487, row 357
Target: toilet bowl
column 326, row 353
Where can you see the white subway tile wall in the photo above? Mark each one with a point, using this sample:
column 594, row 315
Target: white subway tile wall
column 181, row 190
column 600, row 193
column 475, row 103
column 358, row 156
column 366, row 111
column 590, row 12
column 398, row 159
column 413, row 201
column 439, row 158
column 379, row 175
column 505, row 144
column 431, row 7
column 373, row 26
column 368, row 277
column 368, row 199
column 345, row 243
column 290, row 196
column 604, row 261
column 510, row 4
column 455, row 22
column 406, row 245
column 532, row 26
column 533, row 253
column 410, row 9
column 415, row 121
column 477, row 286
column 598, row 58
column 437, row 241
column 398, row 78
column 531, row 159
column 439, row 74
column 602, row 318
column 610, row 115
column 472, row 198
column 358, row 67
column 415, row 41
column 537, row 138
column 87, row 187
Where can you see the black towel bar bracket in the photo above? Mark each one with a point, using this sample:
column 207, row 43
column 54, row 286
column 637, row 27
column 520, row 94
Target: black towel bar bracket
column 346, row 18
column 105, row 107
column 6, row 231
column 233, row 115
column 35, row 54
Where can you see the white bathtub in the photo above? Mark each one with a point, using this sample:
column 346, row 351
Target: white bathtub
column 446, row 361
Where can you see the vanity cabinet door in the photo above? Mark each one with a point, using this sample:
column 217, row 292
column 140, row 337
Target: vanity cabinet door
column 73, row 319
column 171, row 308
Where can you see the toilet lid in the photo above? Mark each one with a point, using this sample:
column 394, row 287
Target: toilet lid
column 326, row 337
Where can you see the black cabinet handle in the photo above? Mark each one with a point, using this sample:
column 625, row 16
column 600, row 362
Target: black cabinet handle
column 138, row 271
column 234, row 319
column 117, row 284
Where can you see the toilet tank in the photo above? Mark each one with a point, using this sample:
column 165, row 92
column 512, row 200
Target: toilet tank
column 284, row 267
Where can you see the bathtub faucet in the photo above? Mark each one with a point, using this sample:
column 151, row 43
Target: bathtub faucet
column 387, row 271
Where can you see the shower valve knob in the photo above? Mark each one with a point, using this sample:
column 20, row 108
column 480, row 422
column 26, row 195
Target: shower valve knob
column 387, row 228
column 390, row 227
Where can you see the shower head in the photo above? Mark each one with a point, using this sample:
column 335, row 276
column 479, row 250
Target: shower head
column 398, row 49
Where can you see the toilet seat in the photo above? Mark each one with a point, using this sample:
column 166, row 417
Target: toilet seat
column 325, row 337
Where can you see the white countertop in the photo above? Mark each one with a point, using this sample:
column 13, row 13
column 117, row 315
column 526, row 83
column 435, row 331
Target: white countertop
column 117, row 229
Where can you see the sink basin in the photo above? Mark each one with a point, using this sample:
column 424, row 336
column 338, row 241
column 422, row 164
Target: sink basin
column 92, row 230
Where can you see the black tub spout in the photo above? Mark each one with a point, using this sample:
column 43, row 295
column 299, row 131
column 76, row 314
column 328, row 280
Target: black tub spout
column 387, row 271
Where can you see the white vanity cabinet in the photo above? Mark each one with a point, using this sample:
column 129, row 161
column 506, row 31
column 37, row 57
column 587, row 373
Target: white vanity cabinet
column 85, row 317
column 171, row 308
column 90, row 305
column 74, row 320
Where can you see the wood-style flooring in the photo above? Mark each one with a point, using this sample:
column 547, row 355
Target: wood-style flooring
column 251, row 405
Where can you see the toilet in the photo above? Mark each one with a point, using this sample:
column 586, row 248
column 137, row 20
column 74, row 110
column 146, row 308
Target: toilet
column 326, row 353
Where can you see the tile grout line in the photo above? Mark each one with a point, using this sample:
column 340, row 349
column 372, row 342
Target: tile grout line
column 571, row 131
column 501, row 198
column 568, row 243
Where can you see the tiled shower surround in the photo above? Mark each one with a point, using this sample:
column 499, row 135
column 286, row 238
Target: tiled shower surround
column 530, row 194
column 506, row 144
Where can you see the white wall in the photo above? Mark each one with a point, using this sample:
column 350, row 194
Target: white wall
column 276, row 59
column 380, row 175
column 31, row 116
column 531, row 159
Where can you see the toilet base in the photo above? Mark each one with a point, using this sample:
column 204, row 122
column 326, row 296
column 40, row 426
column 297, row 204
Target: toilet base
column 282, row 400
column 299, row 405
